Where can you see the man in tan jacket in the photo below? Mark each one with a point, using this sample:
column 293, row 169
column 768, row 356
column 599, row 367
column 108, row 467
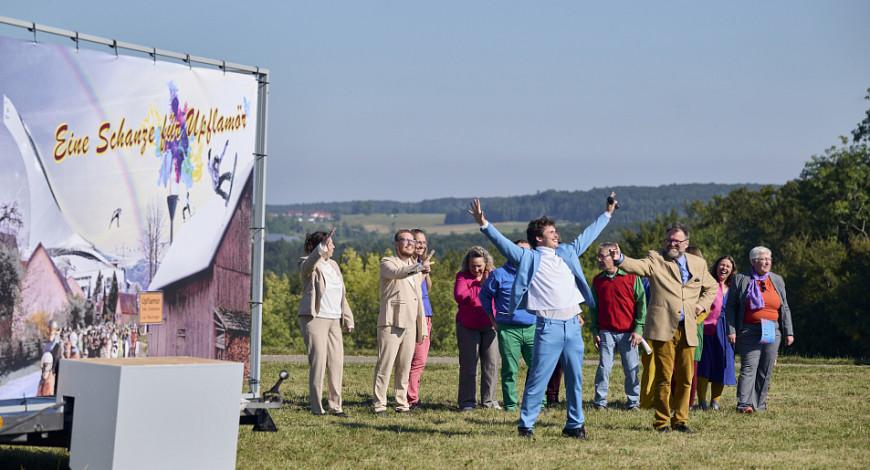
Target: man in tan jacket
column 400, row 321
column 681, row 292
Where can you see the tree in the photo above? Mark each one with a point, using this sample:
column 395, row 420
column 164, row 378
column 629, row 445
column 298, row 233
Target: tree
column 112, row 299
column 98, row 287
column 862, row 132
column 10, row 280
column 151, row 242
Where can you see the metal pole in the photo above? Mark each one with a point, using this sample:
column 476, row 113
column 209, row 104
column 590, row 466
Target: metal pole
column 258, row 229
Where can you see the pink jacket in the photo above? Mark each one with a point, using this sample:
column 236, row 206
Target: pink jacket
column 466, row 292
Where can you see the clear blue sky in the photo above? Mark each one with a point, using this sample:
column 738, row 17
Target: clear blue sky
column 411, row 100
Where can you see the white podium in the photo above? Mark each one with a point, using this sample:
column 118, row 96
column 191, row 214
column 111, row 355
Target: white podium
column 159, row 412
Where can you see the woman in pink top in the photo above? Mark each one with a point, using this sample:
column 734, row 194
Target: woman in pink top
column 716, row 367
column 475, row 333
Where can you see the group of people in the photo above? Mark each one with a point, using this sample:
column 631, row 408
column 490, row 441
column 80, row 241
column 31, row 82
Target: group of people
column 687, row 319
column 105, row 340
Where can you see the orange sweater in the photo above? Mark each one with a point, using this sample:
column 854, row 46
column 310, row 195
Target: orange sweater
column 772, row 302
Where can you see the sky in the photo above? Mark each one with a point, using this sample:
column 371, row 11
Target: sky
column 410, row 100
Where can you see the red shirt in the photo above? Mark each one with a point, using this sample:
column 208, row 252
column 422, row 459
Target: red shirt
column 466, row 292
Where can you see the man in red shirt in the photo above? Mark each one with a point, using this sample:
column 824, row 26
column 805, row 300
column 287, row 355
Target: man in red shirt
column 618, row 316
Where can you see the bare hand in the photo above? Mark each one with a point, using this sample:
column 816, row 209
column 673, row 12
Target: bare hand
column 789, row 340
column 597, row 342
column 427, row 263
column 733, row 338
column 477, row 212
column 635, row 339
column 615, row 253
column 350, row 329
column 698, row 310
column 612, row 203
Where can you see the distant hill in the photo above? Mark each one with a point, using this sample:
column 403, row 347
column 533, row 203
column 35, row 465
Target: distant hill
column 637, row 204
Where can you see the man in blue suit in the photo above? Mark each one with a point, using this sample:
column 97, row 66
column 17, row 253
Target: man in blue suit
column 550, row 284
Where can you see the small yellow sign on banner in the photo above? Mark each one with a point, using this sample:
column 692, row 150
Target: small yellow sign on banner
column 150, row 308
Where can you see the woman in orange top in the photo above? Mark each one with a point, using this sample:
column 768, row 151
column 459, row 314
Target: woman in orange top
column 757, row 305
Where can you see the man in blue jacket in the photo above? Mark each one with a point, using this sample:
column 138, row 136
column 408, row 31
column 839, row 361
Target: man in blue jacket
column 516, row 329
column 550, row 284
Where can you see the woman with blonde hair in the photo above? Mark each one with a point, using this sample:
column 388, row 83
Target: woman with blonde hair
column 476, row 334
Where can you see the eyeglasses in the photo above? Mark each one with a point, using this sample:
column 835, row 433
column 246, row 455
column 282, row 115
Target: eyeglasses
column 674, row 241
column 407, row 241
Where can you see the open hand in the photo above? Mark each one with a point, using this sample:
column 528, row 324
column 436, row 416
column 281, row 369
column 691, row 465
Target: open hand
column 732, row 338
column 477, row 212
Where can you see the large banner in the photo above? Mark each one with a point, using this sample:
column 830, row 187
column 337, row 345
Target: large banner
column 118, row 175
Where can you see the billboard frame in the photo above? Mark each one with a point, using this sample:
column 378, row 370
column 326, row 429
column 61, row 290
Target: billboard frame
column 258, row 222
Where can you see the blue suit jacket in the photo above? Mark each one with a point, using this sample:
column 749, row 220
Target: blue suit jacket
column 528, row 261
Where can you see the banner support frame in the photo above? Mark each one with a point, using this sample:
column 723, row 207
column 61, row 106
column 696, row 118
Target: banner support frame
column 259, row 197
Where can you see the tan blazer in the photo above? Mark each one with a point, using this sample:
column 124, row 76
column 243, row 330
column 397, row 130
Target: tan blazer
column 402, row 295
column 314, row 285
column 668, row 294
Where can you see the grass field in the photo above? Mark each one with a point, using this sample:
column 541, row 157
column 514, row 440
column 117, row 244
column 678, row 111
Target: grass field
column 819, row 418
column 431, row 223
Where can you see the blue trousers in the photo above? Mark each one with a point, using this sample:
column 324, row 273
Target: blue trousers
column 555, row 341
column 610, row 343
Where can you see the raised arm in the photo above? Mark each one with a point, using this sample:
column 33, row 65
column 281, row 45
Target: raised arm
column 391, row 270
column 590, row 233
column 509, row 249
column 641, row 267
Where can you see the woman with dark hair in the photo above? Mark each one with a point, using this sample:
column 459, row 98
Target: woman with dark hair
column 717, row 359
column 758, row 317
column 323, row 309
column 475, row 333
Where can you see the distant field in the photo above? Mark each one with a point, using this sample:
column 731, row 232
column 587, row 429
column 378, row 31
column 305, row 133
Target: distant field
column 431, row 223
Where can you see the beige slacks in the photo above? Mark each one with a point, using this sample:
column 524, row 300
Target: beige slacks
column 323, row 340
column 395, row 350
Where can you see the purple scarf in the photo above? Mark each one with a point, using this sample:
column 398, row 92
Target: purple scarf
column 753, row 294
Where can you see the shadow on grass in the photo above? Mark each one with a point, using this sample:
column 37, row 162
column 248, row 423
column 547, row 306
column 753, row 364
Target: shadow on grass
column 401, row 429
column 25, row 458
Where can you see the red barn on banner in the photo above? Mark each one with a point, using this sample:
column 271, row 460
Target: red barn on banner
column 207, row 314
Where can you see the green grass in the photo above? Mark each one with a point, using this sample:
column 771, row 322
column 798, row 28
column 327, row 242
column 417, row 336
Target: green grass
column 819, row 418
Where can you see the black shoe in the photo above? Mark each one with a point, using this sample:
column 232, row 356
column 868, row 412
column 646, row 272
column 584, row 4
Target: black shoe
column 599, row 407
column 525, row 433
column 576, row 433
column 682, row 427
column 339, row 414
column 663, row 429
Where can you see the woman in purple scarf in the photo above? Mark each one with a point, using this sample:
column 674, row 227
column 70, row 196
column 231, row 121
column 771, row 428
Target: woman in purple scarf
column 758, row 317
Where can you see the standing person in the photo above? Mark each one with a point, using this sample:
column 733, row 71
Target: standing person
column 758, row 316
column 475, row 333
column 700, row 347
column 550, row 283
column 400, row 320
column 421, row 351
column 717, row 361
column 323, row 308
column 681, row 289
column 617, row 324
column 516, row 328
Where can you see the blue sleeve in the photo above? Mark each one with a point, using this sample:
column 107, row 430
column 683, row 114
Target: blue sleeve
column 590, row 234
column 509, row 249
column 487, row 292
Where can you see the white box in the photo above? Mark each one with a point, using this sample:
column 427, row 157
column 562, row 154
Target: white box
column 157, row 412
